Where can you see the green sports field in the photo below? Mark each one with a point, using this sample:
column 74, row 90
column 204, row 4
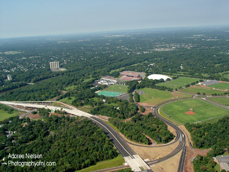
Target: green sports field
column 105, row 164
column 222, row 86
column 153, row 96
column 180, row 82
column 221, row 100
column 117, row 88
column 203, row 111
column 206, row 90
column 4, row 114
column 109, row 93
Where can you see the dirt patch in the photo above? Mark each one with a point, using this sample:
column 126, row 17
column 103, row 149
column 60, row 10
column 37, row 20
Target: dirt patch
column 153, row 152
column 190, row 113
column 56, row 114
column 34, row 115
column 190, row 154
column 147, row 111
column 102, row 117
column 129, row 118
column 171, row 164
column 145, row 104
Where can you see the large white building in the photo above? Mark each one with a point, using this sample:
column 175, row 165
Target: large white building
column 54, row 65
column 108, row 80
column 9, row 77
column 158, row 77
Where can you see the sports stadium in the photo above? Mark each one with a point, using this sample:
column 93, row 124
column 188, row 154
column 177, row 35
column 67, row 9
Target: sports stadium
column 158, row 77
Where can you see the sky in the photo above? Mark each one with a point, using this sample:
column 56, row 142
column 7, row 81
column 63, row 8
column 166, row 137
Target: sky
column 22, row 18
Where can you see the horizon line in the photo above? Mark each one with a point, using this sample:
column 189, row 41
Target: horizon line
column 121, row 30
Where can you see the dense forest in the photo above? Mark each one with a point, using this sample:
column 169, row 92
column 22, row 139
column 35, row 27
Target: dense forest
column 139, row 126
column 71, row 143
column 124, row 110
column 91, row 56
column 75, row 143
column 207, row 135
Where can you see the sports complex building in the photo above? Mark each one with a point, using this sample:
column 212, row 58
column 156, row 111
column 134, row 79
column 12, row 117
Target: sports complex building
column 108, row 80
column 158, row 77
column 131, row 75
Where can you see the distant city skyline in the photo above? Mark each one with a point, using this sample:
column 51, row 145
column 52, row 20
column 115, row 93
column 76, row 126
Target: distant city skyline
column 35, row 18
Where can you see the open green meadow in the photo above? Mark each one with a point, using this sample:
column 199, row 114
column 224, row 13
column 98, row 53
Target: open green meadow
column 89, row 79
column 206, row 90
column 153, row 96
column 70, row 87
column 105, row 164
column 85, row 108
column 221, row 100
column 203, row 111
column 117, row 88
column 222, row 86
column 5, row 115
column 180, row 82
column 67, row 100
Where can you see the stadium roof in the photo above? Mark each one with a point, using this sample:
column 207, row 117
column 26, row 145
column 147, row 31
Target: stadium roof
column 158, row 77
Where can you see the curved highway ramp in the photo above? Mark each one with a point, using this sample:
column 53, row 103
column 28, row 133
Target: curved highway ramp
column 133, row 160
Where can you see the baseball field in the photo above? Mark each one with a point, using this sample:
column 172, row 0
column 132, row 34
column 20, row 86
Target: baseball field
column 221, row 100
column 222, row 86
column 180, row 82
column 201, row 90
column 201, row 111
column 153, row 96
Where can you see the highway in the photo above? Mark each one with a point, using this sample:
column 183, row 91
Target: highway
column 134, row 161
column 180, row 135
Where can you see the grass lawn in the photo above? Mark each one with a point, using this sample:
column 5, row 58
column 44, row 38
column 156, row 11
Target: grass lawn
column 117, row 88
column 5, row 115
column 85, row 108
column 180, row 82
column 70, row 87
column 89, row 79
column 67, row 100
column 203, row 111
column 162, row 114
column 153, row 96
column 105, row 164
column 220, row 100
column 206, row 90
column 222, row 86
column 117, row 70
column 217, row 167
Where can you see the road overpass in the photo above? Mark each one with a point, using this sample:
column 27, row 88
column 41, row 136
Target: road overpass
column 134, row 161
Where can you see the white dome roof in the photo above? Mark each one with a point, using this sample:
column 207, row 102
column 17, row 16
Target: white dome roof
column 158, row 77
